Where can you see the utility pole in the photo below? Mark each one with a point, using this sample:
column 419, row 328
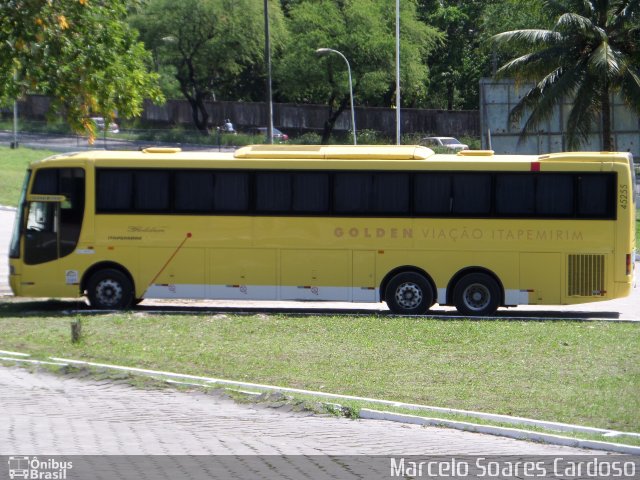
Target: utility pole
column 267, row 59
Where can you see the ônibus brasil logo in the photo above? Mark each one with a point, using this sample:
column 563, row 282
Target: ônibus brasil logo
column 36, row 469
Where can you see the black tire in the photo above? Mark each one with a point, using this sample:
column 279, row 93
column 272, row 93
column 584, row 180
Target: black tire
column 477, row 294
column 110, row 290
column 409, row 293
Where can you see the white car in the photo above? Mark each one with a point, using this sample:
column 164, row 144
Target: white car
column 100, row 123
column 444, row 142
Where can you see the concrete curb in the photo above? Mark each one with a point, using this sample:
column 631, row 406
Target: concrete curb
column 484, row 416
column 501, row 431
column 8, row 209
column 385, row 415
column 36, row 362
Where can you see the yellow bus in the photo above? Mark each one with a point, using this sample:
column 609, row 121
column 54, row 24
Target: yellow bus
column 398, row 224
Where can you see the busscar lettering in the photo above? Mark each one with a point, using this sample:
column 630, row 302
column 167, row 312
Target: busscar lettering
column 139, row 229
column 123, row 237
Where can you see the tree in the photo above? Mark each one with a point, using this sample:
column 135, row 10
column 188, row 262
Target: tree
column 591, row 52
column 457, row 65
column 215, row 47
column 364, row 31
column 81, row 53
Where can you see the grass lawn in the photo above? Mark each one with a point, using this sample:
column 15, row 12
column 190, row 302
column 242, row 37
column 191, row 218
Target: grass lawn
column 582, row 373
column 13, row 165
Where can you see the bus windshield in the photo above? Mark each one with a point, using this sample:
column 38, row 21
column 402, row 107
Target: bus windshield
column 14, row 248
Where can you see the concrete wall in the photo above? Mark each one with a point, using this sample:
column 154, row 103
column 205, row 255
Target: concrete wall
column 292, row 117
column 289, row 116
column 498, row 97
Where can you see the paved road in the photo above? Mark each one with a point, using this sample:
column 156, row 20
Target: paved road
column 72, row 143
column 62, row 415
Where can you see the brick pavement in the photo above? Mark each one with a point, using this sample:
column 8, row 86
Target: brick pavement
column 43, row 413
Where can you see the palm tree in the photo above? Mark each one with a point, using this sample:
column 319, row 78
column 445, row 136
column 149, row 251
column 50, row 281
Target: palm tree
column 592, row 51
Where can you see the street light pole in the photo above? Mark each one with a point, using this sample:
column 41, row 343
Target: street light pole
column 398, row 72
column 15, row 116
column 324, row 51
column 267, row 58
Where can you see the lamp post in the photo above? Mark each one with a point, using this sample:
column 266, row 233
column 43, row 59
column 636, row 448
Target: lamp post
column 398, row 72
column 267, row 57
column 324, row 51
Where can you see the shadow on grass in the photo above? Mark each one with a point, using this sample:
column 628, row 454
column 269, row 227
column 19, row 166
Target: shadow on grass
column 11, row 307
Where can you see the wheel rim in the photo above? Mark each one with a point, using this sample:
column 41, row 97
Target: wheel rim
column 476, row 297
column 409, row 295
column 109, row 292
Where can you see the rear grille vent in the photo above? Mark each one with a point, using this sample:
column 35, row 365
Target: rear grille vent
column 586, row 276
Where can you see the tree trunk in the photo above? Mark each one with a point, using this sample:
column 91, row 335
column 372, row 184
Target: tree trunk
column 199, row 112
column 186, row 77
column 605, row 106
column 331, row 121
column 450, row 94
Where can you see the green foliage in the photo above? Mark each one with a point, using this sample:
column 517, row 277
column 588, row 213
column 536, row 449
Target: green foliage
column 213, row 48
column 81, row 53
column 364, row 32
column 591, row 52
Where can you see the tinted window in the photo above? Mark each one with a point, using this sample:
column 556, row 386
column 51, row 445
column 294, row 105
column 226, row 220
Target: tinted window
column 432, row 194
column 554, row 195
column 114, row 191
column 595, row 194
column 515, row 194
column 231, row 192
column 273, row 192
column 193, row 191
column 311, row 192
column 471, row 194
column 46, row 182
column 390, row 193
column 151, row 191
column 352, row 192
column 372, row 193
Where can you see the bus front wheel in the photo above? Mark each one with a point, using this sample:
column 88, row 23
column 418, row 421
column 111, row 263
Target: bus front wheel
column 477, row 294
column 110, row 290
column 409, row 293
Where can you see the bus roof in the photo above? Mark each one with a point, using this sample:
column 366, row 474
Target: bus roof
column 331, row 154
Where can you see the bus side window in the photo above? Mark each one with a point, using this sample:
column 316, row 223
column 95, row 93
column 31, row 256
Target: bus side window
column 595, row 195
column 231, row 192
column 471, row 194
column 151, row 191
column 273, row 192
column 114, row 191
column 554, row 195
column 432, row 194
column 193, row 192
column 515, row 195
column 311, row 193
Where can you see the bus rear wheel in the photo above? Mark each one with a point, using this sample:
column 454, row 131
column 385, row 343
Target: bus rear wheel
column 409, row 293
column 477, row 294
column 110, row 289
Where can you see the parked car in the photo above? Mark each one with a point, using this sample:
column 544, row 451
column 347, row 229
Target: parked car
column 100, row 123
column 444, row 142
column 278, row 136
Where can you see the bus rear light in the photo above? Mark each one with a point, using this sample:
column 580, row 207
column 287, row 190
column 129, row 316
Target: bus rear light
column 535, row 166
column 629, row 264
